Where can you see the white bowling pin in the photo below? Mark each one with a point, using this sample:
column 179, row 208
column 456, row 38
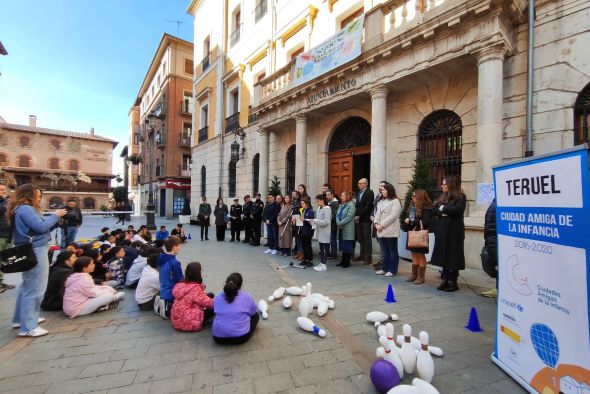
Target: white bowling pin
column 304, row 303
column 435, row 351
column 309, row 292
column 263, row 309
column 391, row 356
column 271, row 298
column 322, row 308
column 308, row 325
column 380, row 317
column 406, row 353
column 424, row 363
column 380, row 352
column 381, row 331
column 330, row 302
column 294, row 291
column 424, row 387
column 287, row 302
column 404, row 389
column 278, row 293
column 389, row 329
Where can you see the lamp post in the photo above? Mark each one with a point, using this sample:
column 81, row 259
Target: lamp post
column 150, row 123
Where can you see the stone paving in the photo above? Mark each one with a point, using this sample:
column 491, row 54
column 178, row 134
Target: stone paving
column 128, row 351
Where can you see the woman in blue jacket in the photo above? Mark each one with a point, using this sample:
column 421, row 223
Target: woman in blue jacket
column 24, row 213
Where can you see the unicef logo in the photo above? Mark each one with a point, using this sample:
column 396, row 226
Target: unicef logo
column 519, row 308
column 512, row 304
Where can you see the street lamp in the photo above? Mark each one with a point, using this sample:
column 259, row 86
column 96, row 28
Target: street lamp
column 150, row 123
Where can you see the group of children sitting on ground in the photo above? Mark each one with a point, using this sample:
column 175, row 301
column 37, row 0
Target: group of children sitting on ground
column 87, row 279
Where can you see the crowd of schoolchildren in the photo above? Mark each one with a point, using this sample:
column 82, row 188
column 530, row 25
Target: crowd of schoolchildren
column 88, row 278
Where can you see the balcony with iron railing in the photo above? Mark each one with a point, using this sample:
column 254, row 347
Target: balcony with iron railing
column 185, row 140
column 235, row 35
column 160, row 140
column 160, row 110
column 160, row 171
column 260, row 11
column 185, row 107
column 232, row 123
column 184, row 170
column 203, row 134
column 206, row 62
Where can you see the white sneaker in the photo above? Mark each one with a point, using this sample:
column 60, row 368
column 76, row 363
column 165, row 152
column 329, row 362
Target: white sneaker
column 388, row 274
column 39, row 321
column 119, row 296
column 380, row 272
column 274, row 252
column 267, row 251
column 320, row 267
column 157, row 305
column 162, row 308
column 37, row 332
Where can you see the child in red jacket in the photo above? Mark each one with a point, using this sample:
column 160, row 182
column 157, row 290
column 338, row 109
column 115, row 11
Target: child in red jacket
column 192, row 306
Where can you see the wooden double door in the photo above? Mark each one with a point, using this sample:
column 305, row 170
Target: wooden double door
column 346, row 167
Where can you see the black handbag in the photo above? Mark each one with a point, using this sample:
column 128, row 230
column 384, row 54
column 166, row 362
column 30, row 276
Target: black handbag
column 487, row 264
column 19, row 258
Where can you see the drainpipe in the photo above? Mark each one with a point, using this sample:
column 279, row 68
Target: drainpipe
column 220, row 96
column 530, row 79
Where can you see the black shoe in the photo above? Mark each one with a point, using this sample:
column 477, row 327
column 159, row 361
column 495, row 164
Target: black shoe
column 255, row 244
column 443, row 286
column 452, row 286
column 308, row 264
column 231, row 240
column 346, row 265
column 206, row 239
column 246, row 241
column 238, row 240
column 340, row 264
column 302, row 263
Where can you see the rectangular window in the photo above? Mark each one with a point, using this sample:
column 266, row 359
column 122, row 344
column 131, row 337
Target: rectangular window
column 235, row 101
column 344, row 22
column 297, row 53
column 204, row 116
column 135, row 139
column 188, row 66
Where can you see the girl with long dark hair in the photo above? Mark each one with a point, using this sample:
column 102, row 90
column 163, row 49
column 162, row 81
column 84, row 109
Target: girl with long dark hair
column 192, row 306
column 419, row 214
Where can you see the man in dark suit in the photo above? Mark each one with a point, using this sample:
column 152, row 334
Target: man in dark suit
column 364, row 211
column 256, row 215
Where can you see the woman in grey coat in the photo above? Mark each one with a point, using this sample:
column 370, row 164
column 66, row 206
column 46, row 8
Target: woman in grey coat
column 345, row 223
column 323, row 230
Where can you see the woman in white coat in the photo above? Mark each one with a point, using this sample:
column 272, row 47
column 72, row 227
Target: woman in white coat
column 386, row 223
column 323, row 230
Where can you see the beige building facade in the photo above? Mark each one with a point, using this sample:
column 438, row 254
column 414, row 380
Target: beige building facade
column 64, row 164
column 445, row 81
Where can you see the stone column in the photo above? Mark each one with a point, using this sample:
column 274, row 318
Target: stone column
column 489, row 111
column 264, row 158
column 300, row 150
column 378, row 136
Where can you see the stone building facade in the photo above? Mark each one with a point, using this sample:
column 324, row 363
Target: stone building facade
column 442, row 80
column 57, row 160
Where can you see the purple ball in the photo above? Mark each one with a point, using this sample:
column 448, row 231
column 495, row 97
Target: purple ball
column 384, row 376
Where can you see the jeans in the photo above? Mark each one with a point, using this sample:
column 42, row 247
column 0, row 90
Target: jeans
column 68, row 235
column 333, row 251
column 31, row 291
column 273, row 236
column 390, row 254
column 324, row 251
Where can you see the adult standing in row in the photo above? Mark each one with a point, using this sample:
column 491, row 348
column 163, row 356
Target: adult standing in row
column 419, row 218
column 307, row 232
column 247, row 220
column 4, row 231
column 221, row 213
column 379, row 264
column 284, row 222
column 257, row 207
column 296, row 212
column 204, row 217
column 364, row 209
column 449, row 235
column 387, row 226
column 271, row 212
column 333, row 203
column 235, row 215
column 30, row 226
column 70, row 223
column 346, row 225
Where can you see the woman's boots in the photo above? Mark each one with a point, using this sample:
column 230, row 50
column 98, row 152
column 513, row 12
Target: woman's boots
column 414, row 275
column 421, row 276
column 449, row 283
column 346, row 260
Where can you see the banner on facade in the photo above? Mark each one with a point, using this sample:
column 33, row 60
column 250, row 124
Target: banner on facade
column 542, row 216
column 337, row 50
column 178, row 184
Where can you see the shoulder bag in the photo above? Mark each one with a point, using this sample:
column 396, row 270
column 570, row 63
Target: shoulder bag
column 418, row 238
column 18, row 258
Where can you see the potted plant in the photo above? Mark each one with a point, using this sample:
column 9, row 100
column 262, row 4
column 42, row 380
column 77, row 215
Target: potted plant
column 421, row 179
column 134, row 159
column 185, row 216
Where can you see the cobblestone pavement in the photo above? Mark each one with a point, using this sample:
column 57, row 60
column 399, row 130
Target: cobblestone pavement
column 127, row 351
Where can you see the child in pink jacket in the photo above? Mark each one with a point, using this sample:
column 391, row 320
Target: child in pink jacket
column 82, row 296
column 192, row 306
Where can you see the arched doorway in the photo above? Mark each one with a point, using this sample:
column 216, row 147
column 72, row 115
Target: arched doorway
column 582, row 117
column 349, row 154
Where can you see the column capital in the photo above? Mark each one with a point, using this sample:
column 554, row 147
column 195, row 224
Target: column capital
column 497, row 52
column 379, row 92
column 301, row 118
column 263, row 131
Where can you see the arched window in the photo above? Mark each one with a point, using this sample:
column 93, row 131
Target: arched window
column 24, row 141
column 74, row 165
column 56, row 202
column 255, row 173
column 439, row 144
column 290, row 170
column 24, row 161
column 55, row 144
column 203, row 181
column 3, row 159
column 54, row 163
column 232, row 178
column 89, row 203
column 582, row 117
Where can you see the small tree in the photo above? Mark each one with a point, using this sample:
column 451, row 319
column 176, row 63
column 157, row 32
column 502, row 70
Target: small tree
column 421, row 179
column 275, row 186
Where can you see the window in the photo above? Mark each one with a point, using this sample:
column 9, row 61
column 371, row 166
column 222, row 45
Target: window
column 344, row 22
column 234, row 96
column 260, row 10
column 297, row 52
column 290, row 169
column 135, row 138
column 74, row 165
column 22, row 179
column 54, row 164
column 3, row 159
column 255, row 173
column 204, row 115
column 56, row 202
column 582, row 117
column 439, row 144
column 236, row 26
column 232, row 178
column 164, row 70
column 186, row 162
column 188, row 66
column 55, row 144
column 24, row 142
column 24, row 161
column 89, row 203
column 203, row 181
column 206, row 54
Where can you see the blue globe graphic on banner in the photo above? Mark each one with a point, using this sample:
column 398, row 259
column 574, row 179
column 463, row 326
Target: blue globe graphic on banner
column 545, row 344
